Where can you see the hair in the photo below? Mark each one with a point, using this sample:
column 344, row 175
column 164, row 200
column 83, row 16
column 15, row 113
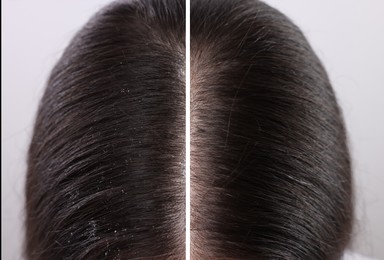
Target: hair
column 271, row 176
column 107, row 158
column 270, row 167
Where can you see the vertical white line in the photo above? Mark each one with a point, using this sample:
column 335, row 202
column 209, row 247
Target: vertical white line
column 188, row 129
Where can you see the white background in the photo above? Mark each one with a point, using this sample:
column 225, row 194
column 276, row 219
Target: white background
column 348, row 36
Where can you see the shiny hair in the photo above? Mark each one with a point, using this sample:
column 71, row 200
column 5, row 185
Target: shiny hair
column 271, row 174
column 270, row 167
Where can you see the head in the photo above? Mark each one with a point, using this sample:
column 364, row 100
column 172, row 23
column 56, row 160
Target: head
column 271, row 176
column 106, row 163
column 270, row 167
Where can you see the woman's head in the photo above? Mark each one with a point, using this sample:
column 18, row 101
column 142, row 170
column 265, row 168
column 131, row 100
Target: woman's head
column 106, row 163
column 270, row 169
column 271, row 174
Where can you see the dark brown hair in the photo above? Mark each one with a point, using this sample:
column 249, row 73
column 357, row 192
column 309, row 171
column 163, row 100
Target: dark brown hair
column 106, row 163
column 271, row 176
column 270, row 167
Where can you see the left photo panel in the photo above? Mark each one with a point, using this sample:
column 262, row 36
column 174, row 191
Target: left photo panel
column 106, row 160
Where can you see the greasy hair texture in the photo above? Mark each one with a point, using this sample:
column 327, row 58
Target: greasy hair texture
column 270, row 167
column 271, row 174
column 107, row 160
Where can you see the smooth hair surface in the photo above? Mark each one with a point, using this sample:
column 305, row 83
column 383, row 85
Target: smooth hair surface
column 271, row 176
column 106, row 163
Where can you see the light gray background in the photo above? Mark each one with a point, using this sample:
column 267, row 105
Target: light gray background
column 347, row 35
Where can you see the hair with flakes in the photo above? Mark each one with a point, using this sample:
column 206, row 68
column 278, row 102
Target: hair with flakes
column 270, row 166
column 106, row 163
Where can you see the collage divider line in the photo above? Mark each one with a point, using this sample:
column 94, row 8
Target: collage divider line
column 188, row 129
